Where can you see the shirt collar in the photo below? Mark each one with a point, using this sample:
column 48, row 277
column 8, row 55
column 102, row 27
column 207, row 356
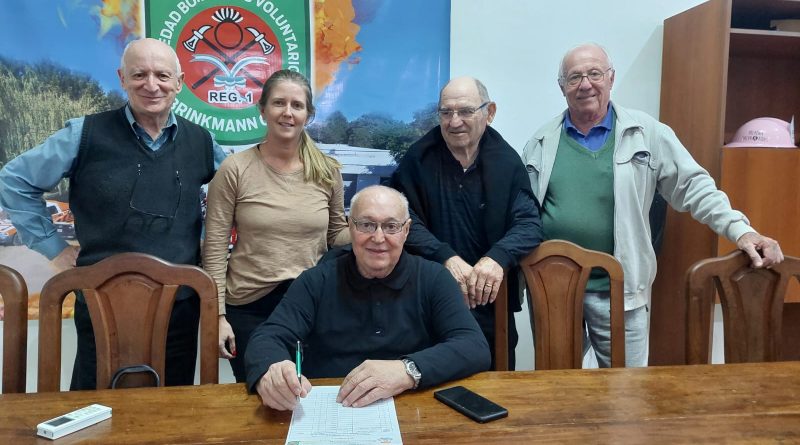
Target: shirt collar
column 171, row 125
column 396, row 280
column 605, row 124
column 450, row 158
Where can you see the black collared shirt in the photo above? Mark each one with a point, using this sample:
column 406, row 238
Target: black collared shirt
column 343, row 319
column 461, row 197
column 457, row 226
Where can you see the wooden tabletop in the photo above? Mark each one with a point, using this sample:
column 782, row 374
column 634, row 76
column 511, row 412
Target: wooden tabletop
column 683, row 404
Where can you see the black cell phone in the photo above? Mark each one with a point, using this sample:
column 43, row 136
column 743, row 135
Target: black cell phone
column 470, row 404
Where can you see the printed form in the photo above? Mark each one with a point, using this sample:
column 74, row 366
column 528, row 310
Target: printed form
column 319, row 419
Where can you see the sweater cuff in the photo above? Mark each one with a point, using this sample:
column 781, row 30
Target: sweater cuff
column 253, row 383
column 221, row 305
column 501, row 257
column 444, row 253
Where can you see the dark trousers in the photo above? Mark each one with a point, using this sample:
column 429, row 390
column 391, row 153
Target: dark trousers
column 246, row 318
column 484, row 315
column 181, row 355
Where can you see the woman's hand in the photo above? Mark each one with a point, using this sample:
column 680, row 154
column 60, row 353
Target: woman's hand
column 226, row 338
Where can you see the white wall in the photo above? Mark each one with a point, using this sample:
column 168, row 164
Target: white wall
column 515, row 48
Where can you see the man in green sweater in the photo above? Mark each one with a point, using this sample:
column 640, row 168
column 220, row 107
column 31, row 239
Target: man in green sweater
column 596, row 168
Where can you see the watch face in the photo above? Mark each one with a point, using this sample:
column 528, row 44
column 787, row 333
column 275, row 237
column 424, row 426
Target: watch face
column 411, row 369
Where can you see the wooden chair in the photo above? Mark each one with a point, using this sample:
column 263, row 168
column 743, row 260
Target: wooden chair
column 556, row 274
column 752, row 307
column 130, row 298
column 501, row 327
column 15, row 329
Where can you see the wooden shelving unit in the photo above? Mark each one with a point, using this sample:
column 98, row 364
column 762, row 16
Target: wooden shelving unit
column 721, row 67
column 760, row 44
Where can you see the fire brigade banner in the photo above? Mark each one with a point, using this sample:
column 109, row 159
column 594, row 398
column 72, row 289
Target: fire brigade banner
column 376, row 67
column 226, row 50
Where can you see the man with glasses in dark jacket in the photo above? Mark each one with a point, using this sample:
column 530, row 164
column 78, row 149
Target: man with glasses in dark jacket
column 472, row 208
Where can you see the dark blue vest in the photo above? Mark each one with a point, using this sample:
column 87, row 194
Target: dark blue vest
column 128, row 198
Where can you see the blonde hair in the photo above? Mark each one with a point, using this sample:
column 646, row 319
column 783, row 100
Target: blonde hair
column 318, row 167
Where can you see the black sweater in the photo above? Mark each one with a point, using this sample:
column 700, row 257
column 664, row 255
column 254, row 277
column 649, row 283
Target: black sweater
column 511, row 215
column 343, row 319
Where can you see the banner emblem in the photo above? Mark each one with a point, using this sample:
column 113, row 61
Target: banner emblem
column 227, row 51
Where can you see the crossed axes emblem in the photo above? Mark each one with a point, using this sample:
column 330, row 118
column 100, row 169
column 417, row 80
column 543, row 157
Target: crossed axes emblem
column 230, row 78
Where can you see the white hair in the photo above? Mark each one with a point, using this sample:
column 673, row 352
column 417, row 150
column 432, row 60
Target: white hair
column 483, row 93
column 128, row 46
column 562, row 69
column 400, row 197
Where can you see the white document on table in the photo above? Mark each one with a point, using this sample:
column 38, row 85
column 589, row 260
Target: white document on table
column 319, row 419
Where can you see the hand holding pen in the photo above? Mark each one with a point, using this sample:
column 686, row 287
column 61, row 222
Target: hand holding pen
column 283, row 384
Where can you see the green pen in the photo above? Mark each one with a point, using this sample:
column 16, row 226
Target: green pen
column 298, row 358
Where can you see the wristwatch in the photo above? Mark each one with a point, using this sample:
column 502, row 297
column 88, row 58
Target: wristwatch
column 413, row 371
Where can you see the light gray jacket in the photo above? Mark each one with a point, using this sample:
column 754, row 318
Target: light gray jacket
column 648, row 157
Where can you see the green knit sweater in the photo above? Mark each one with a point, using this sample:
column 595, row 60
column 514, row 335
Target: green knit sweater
column 579, row 204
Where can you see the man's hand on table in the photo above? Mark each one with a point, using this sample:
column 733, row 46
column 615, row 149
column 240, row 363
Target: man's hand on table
column 374, row 380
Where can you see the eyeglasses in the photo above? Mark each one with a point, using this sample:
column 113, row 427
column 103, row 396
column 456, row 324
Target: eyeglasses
column 593, row 76
column 142, row 196
column 446, row 114
column 388, row 227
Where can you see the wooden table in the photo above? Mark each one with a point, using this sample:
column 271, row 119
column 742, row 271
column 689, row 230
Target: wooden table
column 689, row 404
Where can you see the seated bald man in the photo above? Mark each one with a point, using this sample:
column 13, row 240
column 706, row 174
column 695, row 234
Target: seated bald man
column 385, row 320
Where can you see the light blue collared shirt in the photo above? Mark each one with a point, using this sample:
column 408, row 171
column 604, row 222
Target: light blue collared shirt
column 597, row 136
column 25, row 179
column 169, row 131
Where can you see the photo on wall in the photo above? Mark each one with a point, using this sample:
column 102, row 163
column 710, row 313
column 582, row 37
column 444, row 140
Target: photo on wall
column 376, row 67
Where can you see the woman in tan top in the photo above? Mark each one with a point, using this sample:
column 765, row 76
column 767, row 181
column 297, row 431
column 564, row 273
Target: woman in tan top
column 286, row 200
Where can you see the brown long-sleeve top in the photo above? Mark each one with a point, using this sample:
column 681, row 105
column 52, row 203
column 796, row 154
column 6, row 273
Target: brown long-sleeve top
column 283, row 224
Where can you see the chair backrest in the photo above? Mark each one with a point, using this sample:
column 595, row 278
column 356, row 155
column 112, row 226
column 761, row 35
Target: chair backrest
column 501, row 327
column 556, row 274
column 752, row 307
column 130, row 298
column 15, row 329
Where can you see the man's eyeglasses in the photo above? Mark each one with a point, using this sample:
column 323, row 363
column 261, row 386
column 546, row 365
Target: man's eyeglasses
column 593, row 76
column 142, row 196
column 388, row 227
column 446, row 114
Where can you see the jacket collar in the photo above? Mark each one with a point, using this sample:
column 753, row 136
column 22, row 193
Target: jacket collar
column 627, row 123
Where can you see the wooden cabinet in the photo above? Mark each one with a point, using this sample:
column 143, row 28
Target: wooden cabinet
column 765, row 184
column 721, row 67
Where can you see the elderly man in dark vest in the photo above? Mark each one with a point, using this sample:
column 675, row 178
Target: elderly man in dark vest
column 135, row 175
